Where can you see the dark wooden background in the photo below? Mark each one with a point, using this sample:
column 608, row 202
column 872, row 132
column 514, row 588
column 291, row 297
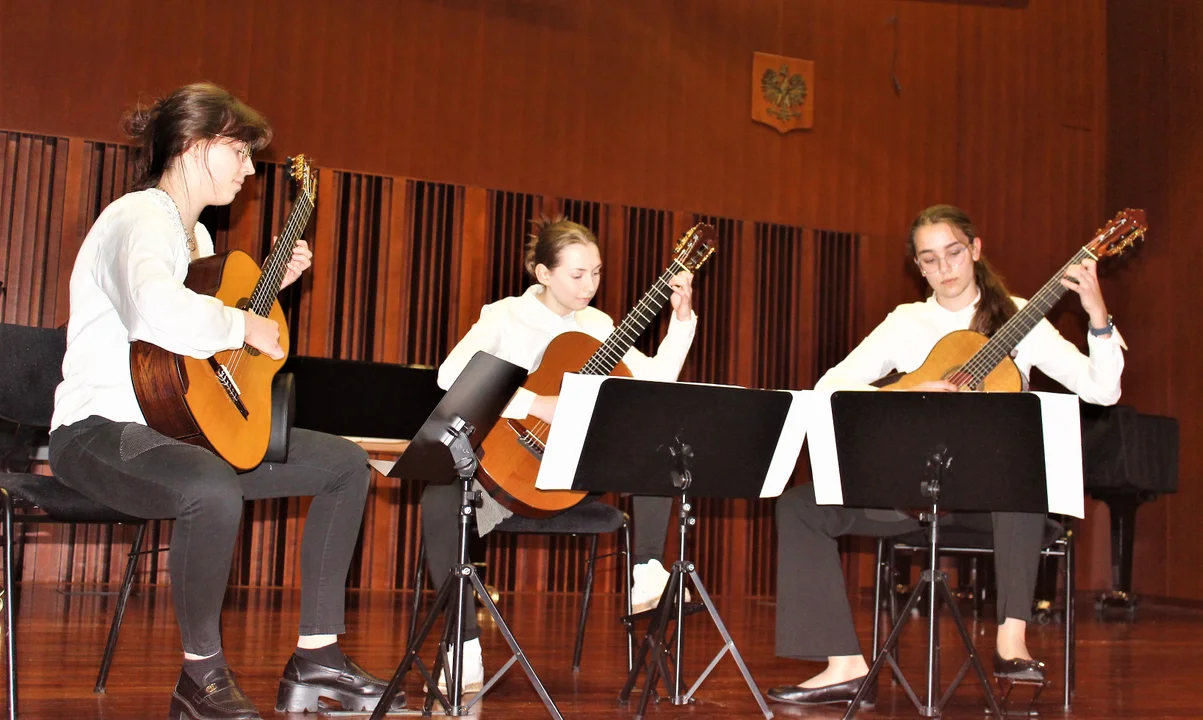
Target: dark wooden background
column 441, row 125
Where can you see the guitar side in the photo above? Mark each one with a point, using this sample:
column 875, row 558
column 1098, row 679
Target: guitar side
column 508, row 469
column 950, row 354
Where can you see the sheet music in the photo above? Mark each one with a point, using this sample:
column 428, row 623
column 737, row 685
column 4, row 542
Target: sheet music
column 1062, row 426
column 578, row 395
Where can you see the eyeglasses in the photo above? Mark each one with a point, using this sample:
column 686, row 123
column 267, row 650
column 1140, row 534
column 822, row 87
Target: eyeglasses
column 244, row 153
column 954, row 258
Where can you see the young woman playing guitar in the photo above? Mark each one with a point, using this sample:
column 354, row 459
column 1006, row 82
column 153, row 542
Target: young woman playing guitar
column 814, row 621
column 563, row 259
column 193, row 149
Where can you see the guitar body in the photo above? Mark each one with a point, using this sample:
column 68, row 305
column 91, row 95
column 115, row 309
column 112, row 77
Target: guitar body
column 948, row 357
column 508, row 467
column 183, row 398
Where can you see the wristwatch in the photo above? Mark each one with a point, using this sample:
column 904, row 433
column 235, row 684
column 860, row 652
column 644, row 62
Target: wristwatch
column 1106, row 330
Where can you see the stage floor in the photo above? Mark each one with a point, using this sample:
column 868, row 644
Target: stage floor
column 1143, row 669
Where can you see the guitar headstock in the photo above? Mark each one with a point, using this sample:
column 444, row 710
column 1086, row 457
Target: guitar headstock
column 696, row 246
column 1122, row 232
column 301, row 169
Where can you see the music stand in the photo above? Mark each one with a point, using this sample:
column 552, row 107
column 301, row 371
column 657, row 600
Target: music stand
column 936, row 452
column 654, row 438
column 443, row 450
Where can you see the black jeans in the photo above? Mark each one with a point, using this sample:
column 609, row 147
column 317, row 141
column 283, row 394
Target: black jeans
column 814, row 620
column 142, row 473
column 440, row 531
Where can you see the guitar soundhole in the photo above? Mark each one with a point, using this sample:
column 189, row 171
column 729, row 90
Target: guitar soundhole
column 241, row 305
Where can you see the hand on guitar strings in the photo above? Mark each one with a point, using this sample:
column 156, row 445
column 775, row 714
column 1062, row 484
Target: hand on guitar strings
column 1084, row 280
column 682, row 299
column 544, row 407
column 302, row 258
column 934, row 386
column 263, row 334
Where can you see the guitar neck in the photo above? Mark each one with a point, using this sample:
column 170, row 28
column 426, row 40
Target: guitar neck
column 1021, row 323
column 632, row 326
column 276, row 264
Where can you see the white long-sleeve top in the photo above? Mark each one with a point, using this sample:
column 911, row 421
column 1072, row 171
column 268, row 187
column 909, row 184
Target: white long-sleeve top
column 128, row 284
column 903, row 340
column 519, row 329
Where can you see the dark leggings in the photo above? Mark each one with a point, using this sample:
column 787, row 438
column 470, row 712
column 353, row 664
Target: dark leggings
column 137, row 471
column 440, row 531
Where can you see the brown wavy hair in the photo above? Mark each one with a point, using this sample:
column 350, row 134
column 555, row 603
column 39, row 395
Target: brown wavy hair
column 173, row 124
column 550, row 236
column 995, row 306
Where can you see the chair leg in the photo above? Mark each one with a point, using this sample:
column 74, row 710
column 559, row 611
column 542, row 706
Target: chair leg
column 419, row 578
column 877, row 585
column 626, row 588
column 10, row 627
column 1071, row 619
column 584, row 611
column 127, row 584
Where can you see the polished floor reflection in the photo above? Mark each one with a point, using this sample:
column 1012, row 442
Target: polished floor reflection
column 1143, row 669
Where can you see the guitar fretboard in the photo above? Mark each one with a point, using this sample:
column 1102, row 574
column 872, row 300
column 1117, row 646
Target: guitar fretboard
column 632, row 326
column 1021, row 323
column 276, row 264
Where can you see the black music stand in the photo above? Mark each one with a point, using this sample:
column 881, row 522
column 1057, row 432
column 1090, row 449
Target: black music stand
column 443, row 450
column 973, row 452
column 655, row 438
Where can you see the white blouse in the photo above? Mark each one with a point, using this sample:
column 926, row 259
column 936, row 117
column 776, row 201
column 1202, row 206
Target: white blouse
column 519, row 329
column 128, row 284
column 903, row 340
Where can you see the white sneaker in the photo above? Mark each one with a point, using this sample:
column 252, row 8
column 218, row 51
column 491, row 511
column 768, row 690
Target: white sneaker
column 648, row 582
column 474, row 668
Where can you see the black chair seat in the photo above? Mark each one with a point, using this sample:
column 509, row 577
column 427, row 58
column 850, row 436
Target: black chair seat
column 588, row 518
column 963, row 539
column 60, row 502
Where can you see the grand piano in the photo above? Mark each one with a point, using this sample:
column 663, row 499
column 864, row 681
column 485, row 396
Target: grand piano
column 1129, row 458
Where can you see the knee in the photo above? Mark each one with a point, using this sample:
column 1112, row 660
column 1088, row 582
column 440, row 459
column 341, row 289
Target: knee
column 215, row 499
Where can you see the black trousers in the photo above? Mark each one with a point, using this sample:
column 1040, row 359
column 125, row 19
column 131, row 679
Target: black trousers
column 137, row 471
column 814, row 619
column 440, row 531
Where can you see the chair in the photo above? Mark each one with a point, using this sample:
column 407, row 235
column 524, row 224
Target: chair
column 30, row 368
column 1058, row 543
column 588, row 518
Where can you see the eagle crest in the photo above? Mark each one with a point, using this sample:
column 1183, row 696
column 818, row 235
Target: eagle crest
column 783, row 92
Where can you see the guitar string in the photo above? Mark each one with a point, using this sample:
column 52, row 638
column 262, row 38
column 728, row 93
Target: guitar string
column 276, row 266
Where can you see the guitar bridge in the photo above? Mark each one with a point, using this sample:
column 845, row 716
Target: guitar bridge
column 228, row 384
column 527, row 439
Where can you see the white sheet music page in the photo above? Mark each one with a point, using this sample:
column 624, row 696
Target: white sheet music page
column 574, row 409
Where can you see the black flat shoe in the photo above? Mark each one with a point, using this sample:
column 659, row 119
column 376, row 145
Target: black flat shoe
column 827, row 695
column 1020, row 669
column 217, row 698
column 352, row 687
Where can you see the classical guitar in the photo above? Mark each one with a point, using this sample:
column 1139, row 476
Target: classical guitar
column 513, row 448
column 972, row 361
column 225, row 402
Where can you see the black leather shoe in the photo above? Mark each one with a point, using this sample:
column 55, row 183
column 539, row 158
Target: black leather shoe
column 217, row 698
column 351, row 686
column 827, row 695
column 1020, row 669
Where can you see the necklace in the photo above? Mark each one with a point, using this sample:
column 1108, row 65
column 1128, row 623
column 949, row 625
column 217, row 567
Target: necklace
column 189, row 235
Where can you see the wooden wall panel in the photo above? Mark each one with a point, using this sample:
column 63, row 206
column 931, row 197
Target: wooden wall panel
column 622, row 104
column 1155, row 161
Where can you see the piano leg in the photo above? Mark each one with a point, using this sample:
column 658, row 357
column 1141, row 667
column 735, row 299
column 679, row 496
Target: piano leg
column 1122, row 508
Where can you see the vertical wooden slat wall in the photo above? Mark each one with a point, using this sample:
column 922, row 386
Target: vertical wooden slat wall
column 401, row 267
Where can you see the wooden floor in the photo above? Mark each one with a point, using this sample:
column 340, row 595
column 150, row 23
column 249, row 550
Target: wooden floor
column 1146, row 669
